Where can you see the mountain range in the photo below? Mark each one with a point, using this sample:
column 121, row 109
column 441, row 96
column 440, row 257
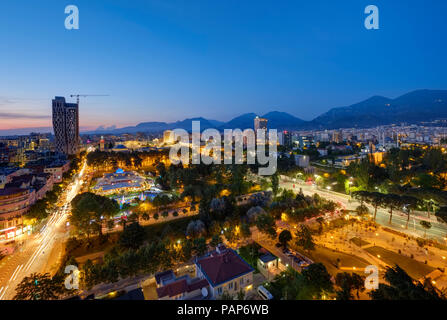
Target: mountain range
column 413, row 107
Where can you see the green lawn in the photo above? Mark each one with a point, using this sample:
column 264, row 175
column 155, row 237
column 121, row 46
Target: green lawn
column 250, row 253
column 329, row 258
column 174, row 228
column 359, row 242
column 415, row 269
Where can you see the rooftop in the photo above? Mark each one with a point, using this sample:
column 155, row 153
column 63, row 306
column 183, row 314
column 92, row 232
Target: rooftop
column 180, row 286
column 223, row 265
column 12, row 191
column 267, row 257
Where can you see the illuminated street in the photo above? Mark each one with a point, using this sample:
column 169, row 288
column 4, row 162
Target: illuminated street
column 437, row 231
column 34, row 255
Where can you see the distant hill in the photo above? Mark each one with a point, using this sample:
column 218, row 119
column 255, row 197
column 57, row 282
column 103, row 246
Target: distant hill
column 282, row 120
column 162, row 126
column 276, row 120
column 241, row 122
column 413, row 107
column 25, row 131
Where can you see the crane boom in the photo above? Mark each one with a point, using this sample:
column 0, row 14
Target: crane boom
column 87, row 95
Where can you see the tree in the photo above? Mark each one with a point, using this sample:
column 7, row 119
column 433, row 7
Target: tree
column 39, row 210
column 238, row 182
column 215, row 240
column 392, row 201
column 240, row 295
column 187, row 249
column 266, row 224
column 39, row 287
column 200, row 246
column 275, row 183
column 132, row 236
column 304, row 238
column 410, row 203
column 284, row 237
column 376, row 199
column 348, row 282
column 226, row 296
column 441, row 214
column 314, row 282
column 318, row 280
column 361, row 196
column 426, row 225
column 89, row 211
column 245, row 230
column 362, row 210
column 254, row 212
column 402, row 287
column 195, row 229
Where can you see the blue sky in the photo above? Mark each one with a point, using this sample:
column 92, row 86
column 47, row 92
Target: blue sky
column 168, row 60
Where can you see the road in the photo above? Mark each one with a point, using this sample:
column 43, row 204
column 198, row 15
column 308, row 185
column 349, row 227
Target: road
column 438, row 231
column 35, row 255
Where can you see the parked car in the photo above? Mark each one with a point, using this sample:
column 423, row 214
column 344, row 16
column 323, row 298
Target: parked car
column 264, row 293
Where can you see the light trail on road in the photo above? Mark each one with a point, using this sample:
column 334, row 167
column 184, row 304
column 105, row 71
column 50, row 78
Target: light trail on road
column 44, row 241
column 1, row 297
column 437, row 231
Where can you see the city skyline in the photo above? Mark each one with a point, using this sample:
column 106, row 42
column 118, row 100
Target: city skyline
column 419, row 106
column 208, row 60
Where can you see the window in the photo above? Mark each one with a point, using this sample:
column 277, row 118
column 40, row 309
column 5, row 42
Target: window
column 230, row 286
column 219, row 290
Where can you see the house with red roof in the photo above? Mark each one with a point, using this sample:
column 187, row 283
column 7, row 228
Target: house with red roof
column 225, row 271
column 170, row 287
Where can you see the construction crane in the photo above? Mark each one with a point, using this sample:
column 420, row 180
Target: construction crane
column 87, row 95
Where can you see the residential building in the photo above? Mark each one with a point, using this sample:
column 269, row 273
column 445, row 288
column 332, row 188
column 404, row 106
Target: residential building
column 57, row 168
column 14, row 202
column 268, row 265
column 170, row 287
column 225, row 271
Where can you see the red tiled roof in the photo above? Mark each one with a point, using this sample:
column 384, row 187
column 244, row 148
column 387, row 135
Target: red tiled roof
column 222, row 267
column 181, row 286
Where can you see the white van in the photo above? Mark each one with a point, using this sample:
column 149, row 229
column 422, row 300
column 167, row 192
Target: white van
column 264, row 293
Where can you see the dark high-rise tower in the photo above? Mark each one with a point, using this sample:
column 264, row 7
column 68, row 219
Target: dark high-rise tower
column 66, row 125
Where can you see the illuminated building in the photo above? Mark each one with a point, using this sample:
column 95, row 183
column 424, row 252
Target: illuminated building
column 66, row 126
column 260, row 124
column 101, row 144
column 168, row 137
column 14, row 202
column 120, row 180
